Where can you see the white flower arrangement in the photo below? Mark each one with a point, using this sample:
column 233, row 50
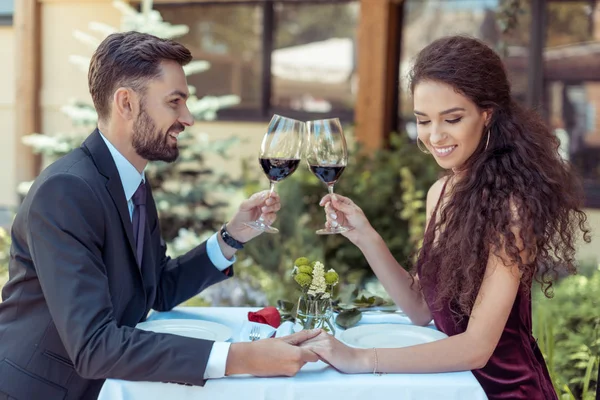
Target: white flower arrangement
column 315, row 282
column 318, row 287
column 314, row 305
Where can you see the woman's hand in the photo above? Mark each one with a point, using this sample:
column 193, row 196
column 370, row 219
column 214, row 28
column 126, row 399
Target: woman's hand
column 345, row 359
column 342, row 211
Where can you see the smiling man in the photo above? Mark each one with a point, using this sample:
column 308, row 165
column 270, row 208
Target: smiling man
column 87, row 259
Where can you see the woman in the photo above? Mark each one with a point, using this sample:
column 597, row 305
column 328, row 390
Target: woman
column 506, row 215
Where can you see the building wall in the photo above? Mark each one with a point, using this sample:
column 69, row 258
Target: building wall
column 8, row 197
column 61, row 80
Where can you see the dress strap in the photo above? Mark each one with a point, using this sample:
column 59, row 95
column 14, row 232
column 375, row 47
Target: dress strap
column 437, row 205
column 430, row 231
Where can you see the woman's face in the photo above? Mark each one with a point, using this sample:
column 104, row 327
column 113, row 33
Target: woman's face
column 448, row 123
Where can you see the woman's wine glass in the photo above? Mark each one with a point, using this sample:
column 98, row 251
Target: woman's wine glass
column 327, row 156
column 279, row 156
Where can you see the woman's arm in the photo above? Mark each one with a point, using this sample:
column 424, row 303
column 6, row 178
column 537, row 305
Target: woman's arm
column 397, row 282
column 469, row 350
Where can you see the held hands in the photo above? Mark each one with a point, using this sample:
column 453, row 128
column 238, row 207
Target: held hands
column 345, row 359
column 271, row 357
column 259, row 204
column 342, row 211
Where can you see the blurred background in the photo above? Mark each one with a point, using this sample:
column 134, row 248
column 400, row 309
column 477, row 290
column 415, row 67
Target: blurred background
column 311, row 59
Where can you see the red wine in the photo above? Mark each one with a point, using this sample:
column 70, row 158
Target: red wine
column 277, row 169
column 328, row 173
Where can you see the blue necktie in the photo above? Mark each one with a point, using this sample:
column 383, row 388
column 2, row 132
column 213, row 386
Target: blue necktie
column 139, row 220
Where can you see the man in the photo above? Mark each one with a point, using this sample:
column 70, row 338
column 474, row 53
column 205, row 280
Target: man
column 87, row 260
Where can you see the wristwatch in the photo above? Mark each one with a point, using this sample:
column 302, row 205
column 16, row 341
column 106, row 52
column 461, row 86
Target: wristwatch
column 227, row 238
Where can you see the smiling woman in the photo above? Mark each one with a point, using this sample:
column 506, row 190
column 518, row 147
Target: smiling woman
column 451, row 134
column 495, row 225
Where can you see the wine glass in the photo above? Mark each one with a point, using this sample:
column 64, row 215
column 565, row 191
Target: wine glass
column 327, row 156
column 279, row 156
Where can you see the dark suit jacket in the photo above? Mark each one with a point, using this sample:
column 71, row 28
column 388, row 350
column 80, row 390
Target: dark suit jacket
column 75, row 289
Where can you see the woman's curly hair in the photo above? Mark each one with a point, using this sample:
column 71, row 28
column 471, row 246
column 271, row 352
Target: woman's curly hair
column 515, row 183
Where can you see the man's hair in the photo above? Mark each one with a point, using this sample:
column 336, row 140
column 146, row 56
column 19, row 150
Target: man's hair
column 129, row 59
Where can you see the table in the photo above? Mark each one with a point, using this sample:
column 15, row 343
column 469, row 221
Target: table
column 325, row 383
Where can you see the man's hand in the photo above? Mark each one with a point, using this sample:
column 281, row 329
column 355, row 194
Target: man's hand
column 259, row 204
column 271, row 357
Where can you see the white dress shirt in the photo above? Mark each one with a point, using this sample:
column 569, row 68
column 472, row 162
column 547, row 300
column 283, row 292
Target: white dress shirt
column 131, row 178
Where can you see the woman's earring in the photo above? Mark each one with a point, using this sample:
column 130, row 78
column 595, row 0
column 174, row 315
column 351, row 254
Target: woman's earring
column 421, row 148
column 487, row 143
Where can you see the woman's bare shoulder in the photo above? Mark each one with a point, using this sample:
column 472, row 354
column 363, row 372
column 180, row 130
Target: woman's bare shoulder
column 434, row 192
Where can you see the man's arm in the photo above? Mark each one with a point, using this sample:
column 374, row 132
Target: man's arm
column 184, row 277
column 65, row 235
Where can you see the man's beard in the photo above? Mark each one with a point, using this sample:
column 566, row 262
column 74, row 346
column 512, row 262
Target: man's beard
column 150, row 143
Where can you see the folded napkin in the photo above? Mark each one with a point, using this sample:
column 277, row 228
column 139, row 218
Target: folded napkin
column 268, row 315
column 287, row 328
column 266, row 331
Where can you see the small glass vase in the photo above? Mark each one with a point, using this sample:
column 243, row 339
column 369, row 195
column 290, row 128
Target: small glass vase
column 315, row 313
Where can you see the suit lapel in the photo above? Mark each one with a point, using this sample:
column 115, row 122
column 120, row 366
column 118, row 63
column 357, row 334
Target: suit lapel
column 115, row 188
column 106, row 166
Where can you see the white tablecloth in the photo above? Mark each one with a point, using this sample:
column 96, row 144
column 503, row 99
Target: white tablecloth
column 324, row 383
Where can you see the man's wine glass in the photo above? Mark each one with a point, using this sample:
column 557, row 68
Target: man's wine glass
column 279, row 156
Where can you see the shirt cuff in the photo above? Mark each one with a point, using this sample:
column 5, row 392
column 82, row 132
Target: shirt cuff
column 216, row 255
column 215, row 367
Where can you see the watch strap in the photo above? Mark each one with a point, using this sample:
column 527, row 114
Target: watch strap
column 227, row 238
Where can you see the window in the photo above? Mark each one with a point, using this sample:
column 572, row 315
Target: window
column 296, row 58
column 572, row 87
column 7, row 8
column 313, row 58
column 229, row 37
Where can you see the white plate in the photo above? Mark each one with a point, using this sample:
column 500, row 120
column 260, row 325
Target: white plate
column 389, row 336
column 189, row 327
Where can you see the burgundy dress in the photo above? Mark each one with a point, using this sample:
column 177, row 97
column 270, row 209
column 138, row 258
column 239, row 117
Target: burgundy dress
column 516, row 369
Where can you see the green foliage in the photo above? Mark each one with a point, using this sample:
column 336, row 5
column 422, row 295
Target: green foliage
column 348, row 318
column 4, row 253
column 189, row 193
column 508, row 15
column 566, row 23
column 568, row 331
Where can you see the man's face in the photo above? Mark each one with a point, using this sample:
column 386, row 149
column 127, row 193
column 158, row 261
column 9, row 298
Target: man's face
column 163, row 115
